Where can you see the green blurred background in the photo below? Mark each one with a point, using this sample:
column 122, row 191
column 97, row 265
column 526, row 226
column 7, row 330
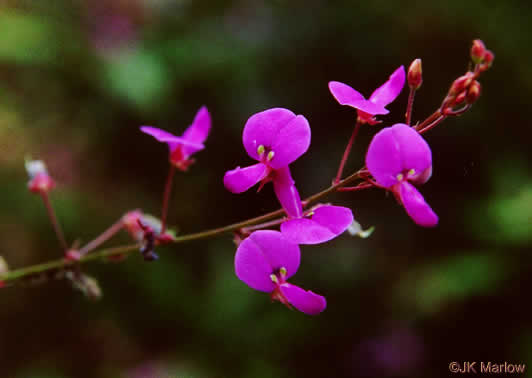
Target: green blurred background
column 79, row 77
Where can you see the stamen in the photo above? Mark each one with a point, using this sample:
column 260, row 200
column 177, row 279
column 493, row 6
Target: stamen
column 270, row 156
column 283, row 272
column 400, row 177
column 260, row 150
column 274, row 279
column 411, row 172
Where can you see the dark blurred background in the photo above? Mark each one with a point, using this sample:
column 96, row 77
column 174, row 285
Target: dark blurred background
column 79, row 77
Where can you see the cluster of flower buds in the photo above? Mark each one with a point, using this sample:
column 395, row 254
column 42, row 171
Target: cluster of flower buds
column 466, row 89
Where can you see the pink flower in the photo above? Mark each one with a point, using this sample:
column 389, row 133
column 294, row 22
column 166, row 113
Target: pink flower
column 397, row 156
column 376, row 103
column 265, row 260
column 276, row 137
column 181, row 148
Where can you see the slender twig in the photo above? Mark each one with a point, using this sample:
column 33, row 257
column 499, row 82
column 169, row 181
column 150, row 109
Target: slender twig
column 435, row 123
column 429, row 120
column 260, row 226
column 410, row 105
column 362, row 186
column 166, row 197
column 51, row 214
column 346, row 152
column 104, row 236
column 35, row 270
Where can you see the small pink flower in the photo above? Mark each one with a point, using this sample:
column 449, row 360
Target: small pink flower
column 265, row 260
column 181, row 148
column 40, row 180
column 276, row 137
column 397, row 156
column 382, row 96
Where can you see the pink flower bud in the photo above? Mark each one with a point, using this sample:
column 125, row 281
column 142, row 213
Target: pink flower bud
column 460, row 98
column 488, row 57
column 478, row 51
column 415, row 76
column 72, row 255
column 40, row 180
column 461, row 83
column 473, row 92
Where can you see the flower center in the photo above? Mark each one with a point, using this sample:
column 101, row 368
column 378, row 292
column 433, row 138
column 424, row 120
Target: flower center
column 265, row 154
column 406, row 175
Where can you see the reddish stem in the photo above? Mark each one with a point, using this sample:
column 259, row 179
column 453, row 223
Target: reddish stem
column 51, row 214
column 436, row 122
column 410, row 105
column 361, row 186
column 346, row 153
column 274, row 222
column 104, row 236
column 166, row 197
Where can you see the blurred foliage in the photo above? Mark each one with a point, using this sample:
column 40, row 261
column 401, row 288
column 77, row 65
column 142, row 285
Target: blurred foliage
column 79, row 78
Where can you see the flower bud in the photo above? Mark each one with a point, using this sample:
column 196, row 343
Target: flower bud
column 473, row 92
column 40, row 180
column 415, row 76
column 488, row 57
column 73, row 255
column 461, row 83
column 478, row 51
column 460, row 98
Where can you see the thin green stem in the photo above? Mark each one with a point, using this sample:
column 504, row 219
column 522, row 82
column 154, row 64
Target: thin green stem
column 61, row 264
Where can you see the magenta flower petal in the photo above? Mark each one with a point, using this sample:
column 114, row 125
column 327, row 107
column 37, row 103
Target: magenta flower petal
column 292, row 141
column 160, row 135
column 239, row 179
column 286, row 192
column 262, row 128
column 414, row 150
column 305, row 301
column 389, row 91
column 198, row 131
column 383, row 158
column 263, row 253
column 345, row 95
column 415, row 205
column 171, row 140
column 279, row 131
column 326, row 223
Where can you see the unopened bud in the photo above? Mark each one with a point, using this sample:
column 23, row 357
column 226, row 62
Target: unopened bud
column 488, row 57
column 415, row 75
column 40, row 180
column 473, row 92
column 461, row 83
column 73, row 255
column 478, row 51
column 460, row 98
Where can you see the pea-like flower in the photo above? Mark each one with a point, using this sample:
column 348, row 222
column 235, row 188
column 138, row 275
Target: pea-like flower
column 182, row 147
column 398, row 156
column 276, row 137
column 265, row 260
column 375, row 105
